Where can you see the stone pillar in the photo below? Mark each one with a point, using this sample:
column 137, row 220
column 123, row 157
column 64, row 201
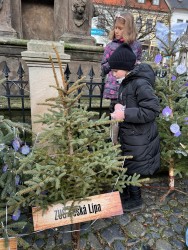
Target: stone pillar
column 73, row 23
column 41, row 74
column 6, row 29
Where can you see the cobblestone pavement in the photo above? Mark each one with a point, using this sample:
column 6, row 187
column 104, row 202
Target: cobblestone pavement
column 161, row 225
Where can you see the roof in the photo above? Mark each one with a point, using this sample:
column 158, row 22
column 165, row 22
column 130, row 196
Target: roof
column 163, row 7
column 110, row 2
column 177, row 4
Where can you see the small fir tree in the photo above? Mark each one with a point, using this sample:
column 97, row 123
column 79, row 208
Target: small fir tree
column 71, row 158
column 12, row 149
column 171, row 87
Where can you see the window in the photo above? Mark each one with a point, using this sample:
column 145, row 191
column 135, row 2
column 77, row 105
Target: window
column 186, row 21
column 149, row 24
column 179, row 20
column 141, row 1
column 155, row 2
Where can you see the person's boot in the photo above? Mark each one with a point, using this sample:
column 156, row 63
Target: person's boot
column 135, row 202
column 125, row 195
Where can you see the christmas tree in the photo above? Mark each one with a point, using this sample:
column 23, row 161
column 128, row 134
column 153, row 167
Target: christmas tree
column 12, row 149
column 71, row 158
column 171, row 87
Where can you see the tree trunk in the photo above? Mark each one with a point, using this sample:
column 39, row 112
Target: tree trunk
column 76, row 236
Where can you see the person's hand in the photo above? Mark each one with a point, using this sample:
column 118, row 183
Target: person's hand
column 119, row 112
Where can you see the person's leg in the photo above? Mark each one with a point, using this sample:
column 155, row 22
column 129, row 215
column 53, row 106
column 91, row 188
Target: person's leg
column 125, row 194
column 135, row 201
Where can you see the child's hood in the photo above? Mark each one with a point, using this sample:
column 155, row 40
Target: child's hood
column 144, row 71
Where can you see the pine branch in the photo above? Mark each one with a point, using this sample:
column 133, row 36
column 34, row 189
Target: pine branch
column 64, row 82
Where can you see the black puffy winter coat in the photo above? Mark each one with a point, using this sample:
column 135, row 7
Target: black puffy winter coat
column 138, row 132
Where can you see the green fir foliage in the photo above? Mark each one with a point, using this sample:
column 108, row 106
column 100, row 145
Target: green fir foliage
column 72, row 157
column 10, row 181
column 172, row 89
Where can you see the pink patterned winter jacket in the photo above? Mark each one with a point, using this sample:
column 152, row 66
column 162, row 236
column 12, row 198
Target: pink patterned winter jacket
column 111, row 85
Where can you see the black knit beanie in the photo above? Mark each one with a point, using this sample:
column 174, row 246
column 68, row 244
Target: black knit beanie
column 123, row 58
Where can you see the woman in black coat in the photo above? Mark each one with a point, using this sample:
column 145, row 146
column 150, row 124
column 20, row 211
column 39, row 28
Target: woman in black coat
column 138, row 107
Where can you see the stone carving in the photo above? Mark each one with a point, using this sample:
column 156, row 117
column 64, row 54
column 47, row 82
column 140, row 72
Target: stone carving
column 1, row 4
column 95, row 11
column 79, row 9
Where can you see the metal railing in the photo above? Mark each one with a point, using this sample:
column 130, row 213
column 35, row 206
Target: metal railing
column 15, row 95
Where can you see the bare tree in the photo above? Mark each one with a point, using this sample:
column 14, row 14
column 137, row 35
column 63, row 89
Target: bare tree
column 145, row 19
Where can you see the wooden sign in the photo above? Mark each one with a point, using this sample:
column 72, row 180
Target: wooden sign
column 12, row 244
column 95, row 207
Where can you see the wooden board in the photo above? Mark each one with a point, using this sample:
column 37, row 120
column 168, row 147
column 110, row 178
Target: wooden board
column 95, row 207
column 12, row 244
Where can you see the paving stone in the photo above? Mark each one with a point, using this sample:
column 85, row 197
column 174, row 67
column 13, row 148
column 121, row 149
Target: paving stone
column 172, row 219
column 113, row 233
column 40, row 243
column 181, row 200
column 155, row 235
column 147, row 236
column 173, row 203
column 50, row 232
column 162, row 221
column 132, row 242
column 118, row 245
column 177, row 244
column 185, row 209
column 94, row 242
column 83, row 243
column 141, row 246
column 163, row 245
column 177, row 211
column 100, row 224
column 152, row 207
column 149, row 202
column 116, row 232
column 85, row 228
column 123, row 219
column 135, row 248
column 62, row 248
column 107, row 248
column 185, row 182
column 165, row 208
column 28, row 239
column 51, row 242
column 136, row 229
column 35, row 247
column 183, row 222
column 178, row 228
column 149, row 221
column 140, row 218
column 65, row 238
column 145, row 247
column 147, row 215
column 167, row 233
column 151, row 242
column 154, row 229
column 107, row 236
